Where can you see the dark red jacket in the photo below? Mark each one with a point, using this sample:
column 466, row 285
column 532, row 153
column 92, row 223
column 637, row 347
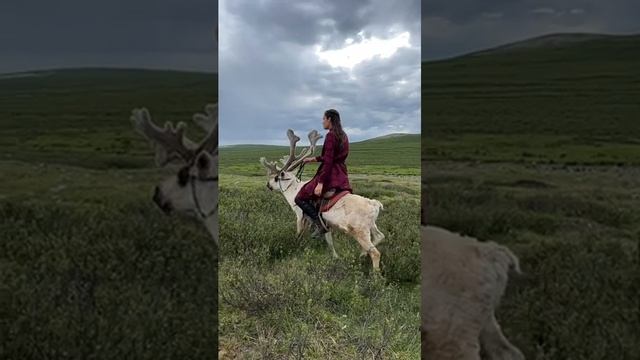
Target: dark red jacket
column 332, row 172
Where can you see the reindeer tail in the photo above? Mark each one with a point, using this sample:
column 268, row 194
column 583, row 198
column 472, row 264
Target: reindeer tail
column 378, row 204
column 510, row 258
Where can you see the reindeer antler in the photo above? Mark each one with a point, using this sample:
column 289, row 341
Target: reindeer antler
column 209, row 120
column 293, row 139
column 270, row 165
column 292, row 161
column 209, row 123
column 314, row 136
column 170, row 143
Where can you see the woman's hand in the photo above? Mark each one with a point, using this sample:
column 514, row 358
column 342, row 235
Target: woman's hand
column 318, row 190
column 309, row 159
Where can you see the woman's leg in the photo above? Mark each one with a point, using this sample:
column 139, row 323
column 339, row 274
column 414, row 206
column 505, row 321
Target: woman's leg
column 304, row 200
column 304, row 196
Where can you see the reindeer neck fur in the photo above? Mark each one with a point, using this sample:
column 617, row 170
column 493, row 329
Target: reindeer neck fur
column 293, row 189
column 211, row 223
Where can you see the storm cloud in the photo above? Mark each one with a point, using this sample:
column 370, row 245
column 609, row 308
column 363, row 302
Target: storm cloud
column 273, row 75
column 458, row 27
column 165, row 34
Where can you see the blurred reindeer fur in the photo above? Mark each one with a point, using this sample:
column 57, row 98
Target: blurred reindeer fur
column 463, row 281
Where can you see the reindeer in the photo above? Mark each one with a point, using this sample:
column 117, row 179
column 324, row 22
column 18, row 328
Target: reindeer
column 350, row 213
column 194, row 189
column 463, row 281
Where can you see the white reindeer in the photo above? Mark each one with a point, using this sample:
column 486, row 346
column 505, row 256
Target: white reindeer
column 194, row 189
column 352, row 214
column 463, row 281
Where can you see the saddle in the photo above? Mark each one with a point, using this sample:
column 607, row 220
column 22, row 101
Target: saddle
column 329, row 198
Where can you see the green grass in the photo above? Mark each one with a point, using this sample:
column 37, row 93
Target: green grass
column 90, row 269
column 538, row 149
column 287, row 298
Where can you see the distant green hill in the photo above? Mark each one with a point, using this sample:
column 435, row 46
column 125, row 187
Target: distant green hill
column 552, row 98
column 553, row 41
column 81, row 116
column 399, row 153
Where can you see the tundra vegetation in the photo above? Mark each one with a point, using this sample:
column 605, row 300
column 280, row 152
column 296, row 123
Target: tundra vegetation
column 90, row 267
column 537, row 147
column 283, row 297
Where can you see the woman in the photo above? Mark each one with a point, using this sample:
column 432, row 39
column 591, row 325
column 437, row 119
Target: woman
column 331, row 174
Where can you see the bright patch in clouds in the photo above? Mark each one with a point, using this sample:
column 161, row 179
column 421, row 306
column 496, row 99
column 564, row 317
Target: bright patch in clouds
column 356, row 52
column 316, row 59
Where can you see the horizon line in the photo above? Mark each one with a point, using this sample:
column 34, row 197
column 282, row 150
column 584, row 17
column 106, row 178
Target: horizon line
column 54, row 69
column 354, row 142
column 505, row 44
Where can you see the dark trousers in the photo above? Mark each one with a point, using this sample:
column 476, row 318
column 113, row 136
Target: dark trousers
column 304, row 199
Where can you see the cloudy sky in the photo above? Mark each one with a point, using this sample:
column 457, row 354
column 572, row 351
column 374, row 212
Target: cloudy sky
column 283, row 63
column 453, row 28
column 165, row 34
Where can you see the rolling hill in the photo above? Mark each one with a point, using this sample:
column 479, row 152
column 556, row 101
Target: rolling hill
column 554, row 98
column 399, row 151
column 81, row 116
column 557, row 40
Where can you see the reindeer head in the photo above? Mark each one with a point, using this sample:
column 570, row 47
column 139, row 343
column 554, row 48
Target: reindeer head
column 194, row 189
column 280, row 178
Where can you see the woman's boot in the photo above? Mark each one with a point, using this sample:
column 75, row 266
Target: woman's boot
column 309, row 209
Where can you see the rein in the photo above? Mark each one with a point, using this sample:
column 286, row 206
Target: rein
column 195, row 197
column 298, row 177
column 300, row 171
column 288, row 186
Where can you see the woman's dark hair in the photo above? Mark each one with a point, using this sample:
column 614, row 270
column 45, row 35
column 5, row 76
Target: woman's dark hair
column 336, row 125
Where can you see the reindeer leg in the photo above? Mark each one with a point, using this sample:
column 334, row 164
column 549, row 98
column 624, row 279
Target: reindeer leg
column 377, row 235
column 301, row 224
column 329, row 239
column 299, row 229
column 375, row 257
column 364, row 239
column 495, row 345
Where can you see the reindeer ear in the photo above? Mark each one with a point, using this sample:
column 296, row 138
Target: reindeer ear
column 203, row 162
column 205, row 165
column 269, row 166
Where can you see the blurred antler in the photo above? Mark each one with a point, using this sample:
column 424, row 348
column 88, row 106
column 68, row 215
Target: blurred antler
column 170, row 143
column 208, row 122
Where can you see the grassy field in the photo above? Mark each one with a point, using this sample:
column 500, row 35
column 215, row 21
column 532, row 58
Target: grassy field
column 281, row 298
column 538, row 148
column 89, row 268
